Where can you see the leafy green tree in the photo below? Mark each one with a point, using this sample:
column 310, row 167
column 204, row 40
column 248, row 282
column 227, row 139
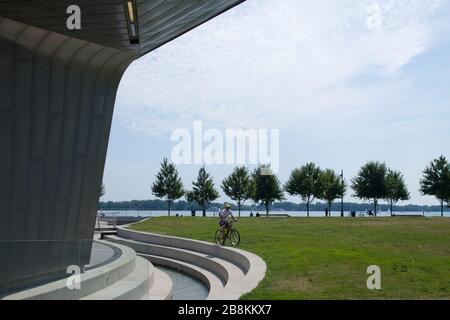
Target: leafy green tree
column 102, row 190
column 203, row 190
column 396, row 188
column 238, row 186
column 306, row 183
column 370, row 183
column 101, row 194
column 333, row 187
column 436, row 181
column 168, row 184
column 267, row 187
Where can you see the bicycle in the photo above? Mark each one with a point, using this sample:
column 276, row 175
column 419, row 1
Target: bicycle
column 233, row 235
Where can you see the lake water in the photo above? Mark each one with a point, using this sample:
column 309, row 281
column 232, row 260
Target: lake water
column 161, row 213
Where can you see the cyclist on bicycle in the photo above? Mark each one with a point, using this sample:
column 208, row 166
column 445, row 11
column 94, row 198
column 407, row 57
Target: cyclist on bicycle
column 224, row 214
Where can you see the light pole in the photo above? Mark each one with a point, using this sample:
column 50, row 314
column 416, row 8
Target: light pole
column 342, row 197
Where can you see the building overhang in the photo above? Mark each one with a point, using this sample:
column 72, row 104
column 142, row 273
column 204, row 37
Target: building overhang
column 137, row 26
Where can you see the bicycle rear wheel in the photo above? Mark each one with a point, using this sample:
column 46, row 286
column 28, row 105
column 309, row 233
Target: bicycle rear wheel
column 220, row 239
column 235, row 238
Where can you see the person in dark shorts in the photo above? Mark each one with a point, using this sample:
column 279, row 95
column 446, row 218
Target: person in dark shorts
column 224, row 215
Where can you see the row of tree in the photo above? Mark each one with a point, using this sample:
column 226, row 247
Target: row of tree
column 374, row 181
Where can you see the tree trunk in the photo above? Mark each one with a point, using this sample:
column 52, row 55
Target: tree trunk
column 442, row 208
column 329, row 208
column 392, row 207
column 204, row 210
column 168, row 206
column 307, row 209
column 267, row 209
column 239, row 209
column 375, row 202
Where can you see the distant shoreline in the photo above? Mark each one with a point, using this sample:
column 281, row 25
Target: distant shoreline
column 273, row 213
column 181, row 205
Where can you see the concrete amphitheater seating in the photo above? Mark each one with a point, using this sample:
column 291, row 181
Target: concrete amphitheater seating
column 227, row 272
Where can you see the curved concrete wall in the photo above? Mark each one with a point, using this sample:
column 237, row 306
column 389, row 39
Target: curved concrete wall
column 57, row 95
column 91, row 281
column 126, row 277
column 234, row 255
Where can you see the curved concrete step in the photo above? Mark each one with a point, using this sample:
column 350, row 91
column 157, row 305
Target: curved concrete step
column 162, row 286
column 228, row 272
column 214, row 284
column 224, row 270
column 133, row 287
column 204, row 261
column 91, row 281
column 243, row 259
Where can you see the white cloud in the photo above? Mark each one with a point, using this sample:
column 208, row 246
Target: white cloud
column 272, row 63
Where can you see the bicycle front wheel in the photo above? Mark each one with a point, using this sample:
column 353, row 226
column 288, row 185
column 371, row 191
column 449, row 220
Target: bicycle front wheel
column 235, row 238
column 220, row 239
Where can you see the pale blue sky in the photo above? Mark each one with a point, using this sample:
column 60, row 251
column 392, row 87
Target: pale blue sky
column 341, row 89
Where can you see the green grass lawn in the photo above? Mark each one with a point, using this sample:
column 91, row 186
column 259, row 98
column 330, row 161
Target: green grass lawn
column 327, row 258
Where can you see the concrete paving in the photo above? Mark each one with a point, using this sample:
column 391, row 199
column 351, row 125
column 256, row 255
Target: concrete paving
column 185, row 287
column 101, row 254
